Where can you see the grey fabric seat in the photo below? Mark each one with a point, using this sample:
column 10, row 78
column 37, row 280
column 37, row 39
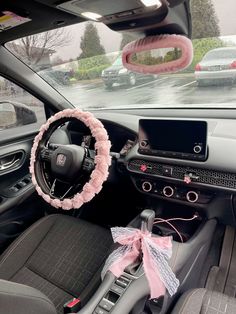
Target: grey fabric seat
column 202, row 301
column 61, row 256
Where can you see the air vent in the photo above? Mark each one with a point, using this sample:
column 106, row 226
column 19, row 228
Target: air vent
column 205, row 176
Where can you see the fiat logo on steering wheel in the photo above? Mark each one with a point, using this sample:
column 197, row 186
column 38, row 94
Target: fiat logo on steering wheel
column 61, row 160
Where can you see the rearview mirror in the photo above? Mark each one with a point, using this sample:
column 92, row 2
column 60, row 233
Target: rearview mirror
column 158, row 54
column 15, row 114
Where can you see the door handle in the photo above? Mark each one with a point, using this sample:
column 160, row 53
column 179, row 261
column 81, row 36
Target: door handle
column 9, row 164
column 11, row 160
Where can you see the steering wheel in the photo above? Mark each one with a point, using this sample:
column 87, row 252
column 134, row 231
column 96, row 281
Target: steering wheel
column 60, row 171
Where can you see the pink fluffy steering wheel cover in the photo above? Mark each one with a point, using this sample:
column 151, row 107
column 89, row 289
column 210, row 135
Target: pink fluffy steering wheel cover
column 102, row 159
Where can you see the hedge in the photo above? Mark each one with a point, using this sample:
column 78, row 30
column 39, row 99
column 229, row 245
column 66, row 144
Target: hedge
column 92, row 62
column 90, row 74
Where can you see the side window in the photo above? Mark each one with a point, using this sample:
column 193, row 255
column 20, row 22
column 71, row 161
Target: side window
column 18, row 108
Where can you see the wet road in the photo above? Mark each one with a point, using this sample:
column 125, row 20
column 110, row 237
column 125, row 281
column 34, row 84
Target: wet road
column 164, row 91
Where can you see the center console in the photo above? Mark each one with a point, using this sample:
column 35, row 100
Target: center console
column 122, row 295
column 167, row 191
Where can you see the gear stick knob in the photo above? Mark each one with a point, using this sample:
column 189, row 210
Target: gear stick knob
column 147, row 219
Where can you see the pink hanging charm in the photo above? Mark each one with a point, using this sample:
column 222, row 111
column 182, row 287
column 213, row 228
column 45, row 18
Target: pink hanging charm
column 187, row 179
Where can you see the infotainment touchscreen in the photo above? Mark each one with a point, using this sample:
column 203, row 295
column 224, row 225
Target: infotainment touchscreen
column 173, row 138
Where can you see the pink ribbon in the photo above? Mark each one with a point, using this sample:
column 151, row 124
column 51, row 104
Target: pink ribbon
column 155, row 252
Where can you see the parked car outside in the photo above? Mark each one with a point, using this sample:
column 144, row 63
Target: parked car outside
column 56, row 77
column 218, row 66
column 117, row 73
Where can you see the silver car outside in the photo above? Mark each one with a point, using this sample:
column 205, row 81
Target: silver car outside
column 218, row 66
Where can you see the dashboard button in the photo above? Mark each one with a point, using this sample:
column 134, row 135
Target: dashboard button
column 14, row 189
column 100, row 311
column 106, row 304
column 167, row 171
column 122, row 282
column 117, row 289
column 144, row 143
column 197, row 149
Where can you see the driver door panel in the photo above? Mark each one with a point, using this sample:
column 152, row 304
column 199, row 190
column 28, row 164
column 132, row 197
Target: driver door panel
column 15, row 182
column 18, row 202
column 19, row 123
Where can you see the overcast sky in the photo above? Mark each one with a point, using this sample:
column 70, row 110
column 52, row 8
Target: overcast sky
column 225, row 10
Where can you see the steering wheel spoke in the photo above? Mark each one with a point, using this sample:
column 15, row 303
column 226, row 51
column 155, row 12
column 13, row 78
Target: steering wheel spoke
column 88, row 165
column 46, row 154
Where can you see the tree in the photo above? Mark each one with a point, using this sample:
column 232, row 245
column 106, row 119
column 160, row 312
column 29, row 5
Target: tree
column 32, row 49
column 205, row 22
column 90, row 42
column 127, row 38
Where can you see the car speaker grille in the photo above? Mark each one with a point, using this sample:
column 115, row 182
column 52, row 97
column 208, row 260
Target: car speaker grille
column 205, row 176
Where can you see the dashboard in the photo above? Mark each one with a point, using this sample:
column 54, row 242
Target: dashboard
column 204, row 183
column 123, row 130
column 175, row 172
column 221, row 136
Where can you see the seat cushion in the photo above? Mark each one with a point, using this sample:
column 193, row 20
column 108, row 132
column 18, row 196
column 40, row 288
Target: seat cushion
column 59, row 255
column 21, row 299
column 202, row 301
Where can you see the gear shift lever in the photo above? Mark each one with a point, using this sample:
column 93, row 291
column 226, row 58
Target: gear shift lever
column 147, row 219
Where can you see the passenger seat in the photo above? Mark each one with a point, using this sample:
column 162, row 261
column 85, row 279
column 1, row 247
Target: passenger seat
column 202, row 301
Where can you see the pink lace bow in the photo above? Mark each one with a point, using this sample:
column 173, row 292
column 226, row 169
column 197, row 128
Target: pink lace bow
column 155, row 254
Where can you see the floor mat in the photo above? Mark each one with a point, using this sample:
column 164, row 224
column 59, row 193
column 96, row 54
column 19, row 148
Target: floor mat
column 222, row 278
column 213, row 256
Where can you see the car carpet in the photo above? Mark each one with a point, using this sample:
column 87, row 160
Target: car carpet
column 222, row 278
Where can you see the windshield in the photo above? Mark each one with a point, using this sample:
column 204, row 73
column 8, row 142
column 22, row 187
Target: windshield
column 83, row 62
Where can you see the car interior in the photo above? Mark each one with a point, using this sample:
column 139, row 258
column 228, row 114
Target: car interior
column 90, row 175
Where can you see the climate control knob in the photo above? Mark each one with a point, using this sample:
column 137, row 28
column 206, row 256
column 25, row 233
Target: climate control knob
column 147, row 186
column 192, row 196
column 168, row 191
